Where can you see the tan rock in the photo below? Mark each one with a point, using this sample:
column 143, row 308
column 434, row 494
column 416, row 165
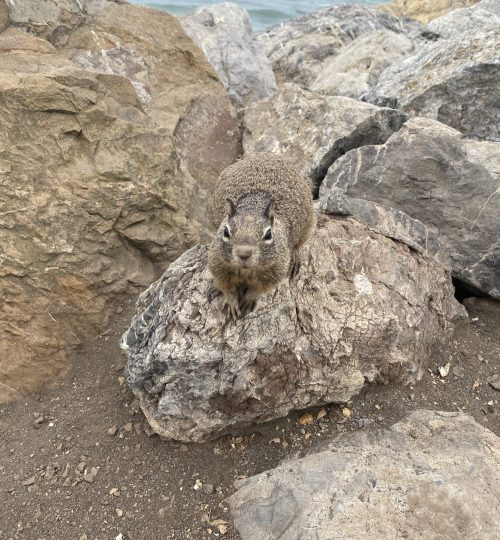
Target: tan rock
column 93, row 192
column 424, row 10
column 4, row 15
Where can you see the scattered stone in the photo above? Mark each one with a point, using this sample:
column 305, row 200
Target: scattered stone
column 361, row 423
column 390, row 286
column 115, row 492
column 458, row 371
column 119, row 512
column 322, row 413
column 490, row 406
column 419, row 467
column 197, row 485
column 38, row 421
column 83, row 537
column 128, row 427
column 112, row 431
column 305, row 420
column 444, row 370
column 220, row 524
column 346, row 412
column 494, row 381
column 29, row 482
column 208, row 488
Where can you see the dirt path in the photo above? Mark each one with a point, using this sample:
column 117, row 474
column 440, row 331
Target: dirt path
column 66, row 474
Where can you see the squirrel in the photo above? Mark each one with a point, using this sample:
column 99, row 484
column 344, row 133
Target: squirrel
column 263, row 209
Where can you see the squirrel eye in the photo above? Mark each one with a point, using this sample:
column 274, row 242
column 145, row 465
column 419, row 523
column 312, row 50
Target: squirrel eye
column 227, row 234
column 268, row 235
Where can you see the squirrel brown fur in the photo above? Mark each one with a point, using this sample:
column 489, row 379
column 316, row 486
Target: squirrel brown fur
column 264, row 212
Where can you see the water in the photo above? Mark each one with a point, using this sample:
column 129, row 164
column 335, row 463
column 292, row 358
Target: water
column 263, row 13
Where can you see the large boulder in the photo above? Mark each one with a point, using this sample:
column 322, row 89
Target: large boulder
column 174, row 82
column 485, row 14
column 363, row 308
column 424, row 10
column 355, row 69
column 448, row 182
column 299, row 48
column 224, row 33
column 434, row 475
column 455, row 80
column 95, row 195
column 313, row 129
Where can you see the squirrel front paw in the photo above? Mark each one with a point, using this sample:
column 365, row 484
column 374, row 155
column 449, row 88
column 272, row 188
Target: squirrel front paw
column 232, row 308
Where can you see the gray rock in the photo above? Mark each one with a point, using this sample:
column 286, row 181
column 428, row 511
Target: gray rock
column 485, row 14
column 494, row 381
column 52, row 19
column 224, row 33
column 363, row 308
column 356, row 68
column 390, row 222
column 434, row 475
column 454, row 80
column 299, row 48
column 313, row 129
column 448, row 182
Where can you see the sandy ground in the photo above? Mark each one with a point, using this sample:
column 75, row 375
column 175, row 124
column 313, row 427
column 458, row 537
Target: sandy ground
column 79, row 462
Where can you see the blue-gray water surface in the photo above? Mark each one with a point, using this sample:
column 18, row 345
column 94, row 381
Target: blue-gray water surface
column 263, row 13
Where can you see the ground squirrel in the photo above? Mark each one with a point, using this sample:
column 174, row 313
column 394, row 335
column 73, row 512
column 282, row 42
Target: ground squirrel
column 263, row 209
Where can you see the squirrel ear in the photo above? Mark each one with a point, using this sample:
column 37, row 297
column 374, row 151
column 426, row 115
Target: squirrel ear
column 232, row 207
column 269, row 211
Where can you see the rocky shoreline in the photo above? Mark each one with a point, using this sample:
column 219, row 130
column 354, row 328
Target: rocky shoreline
column 115, row 121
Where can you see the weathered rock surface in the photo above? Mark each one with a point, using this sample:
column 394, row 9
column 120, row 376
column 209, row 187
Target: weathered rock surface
column 436, row 175
column 424, row 10
column 433, row 475
column 454, row 80
column 4, row 15
column 224, row 33
column 390, row 222
column 94, row 191
column 51, row 19
column 299, row 48
column 363, row 308
column 175, row 83
column 355, row 69
column 313, row 129
column 485, row 14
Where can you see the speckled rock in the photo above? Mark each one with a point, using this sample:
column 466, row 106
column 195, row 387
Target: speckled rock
column 434, row 475
column 363, row 308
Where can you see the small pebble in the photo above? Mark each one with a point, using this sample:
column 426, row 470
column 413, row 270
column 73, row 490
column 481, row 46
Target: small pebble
column 112, row 431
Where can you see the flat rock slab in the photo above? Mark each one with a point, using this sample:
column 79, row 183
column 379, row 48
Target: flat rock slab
column 434, row 475
column 313, row 129
column 363, row 308
column 439, row 177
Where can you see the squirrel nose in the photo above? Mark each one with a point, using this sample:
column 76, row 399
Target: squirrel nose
column 244, row 252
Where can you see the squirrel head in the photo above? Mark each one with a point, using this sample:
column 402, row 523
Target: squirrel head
column 250, row 238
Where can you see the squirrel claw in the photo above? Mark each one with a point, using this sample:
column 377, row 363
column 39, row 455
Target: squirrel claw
column 247, row 307
column 232, row 310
